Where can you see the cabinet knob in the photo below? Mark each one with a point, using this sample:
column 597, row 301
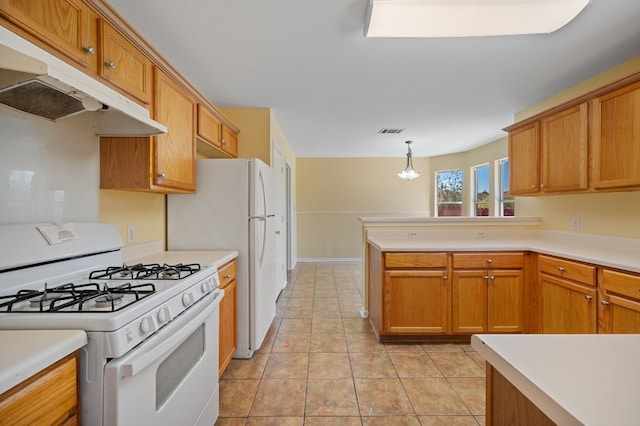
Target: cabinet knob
column 533, row 186
column 227, row 276
column 587, row 297
column 604, row 303
column 90, row 50
column 560, row 268
column 162, row 175
column 493, row 277
column 486, row 277
column 110, row 64
column 489, row 261
column 543, row 185
column 445, row 278
column 223, row 142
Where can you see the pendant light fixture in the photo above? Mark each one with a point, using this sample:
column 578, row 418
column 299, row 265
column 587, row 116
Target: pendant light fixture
column 409, row 173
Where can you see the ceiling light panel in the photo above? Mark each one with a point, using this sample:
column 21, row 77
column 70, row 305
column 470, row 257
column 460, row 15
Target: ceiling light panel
column 468, row 18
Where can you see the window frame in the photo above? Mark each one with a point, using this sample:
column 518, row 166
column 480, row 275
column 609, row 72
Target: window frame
column 503, row 182
column 436, row 192
column 473, row 205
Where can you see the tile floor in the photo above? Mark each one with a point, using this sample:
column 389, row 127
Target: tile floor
column 321, row 365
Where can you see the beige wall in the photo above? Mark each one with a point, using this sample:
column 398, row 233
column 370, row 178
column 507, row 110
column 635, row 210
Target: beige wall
column 144, row 211
column 333, row 192
column 254, row 124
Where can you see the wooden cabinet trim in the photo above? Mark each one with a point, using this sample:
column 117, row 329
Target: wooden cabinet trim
column 493, row 260
column 415, row 260
column 567, row 269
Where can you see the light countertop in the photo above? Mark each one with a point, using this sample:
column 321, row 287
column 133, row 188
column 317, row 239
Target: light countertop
column 24, row 353
column 205, row 258
column 621, row 253
column 577, row 379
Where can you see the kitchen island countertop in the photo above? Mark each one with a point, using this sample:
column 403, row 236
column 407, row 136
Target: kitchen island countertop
column 578, row 379
column 26, row 352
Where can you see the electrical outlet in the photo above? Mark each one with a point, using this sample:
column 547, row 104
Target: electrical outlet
column 480, row 234
column 412, row 234
column 131, row 233
column 575, row 223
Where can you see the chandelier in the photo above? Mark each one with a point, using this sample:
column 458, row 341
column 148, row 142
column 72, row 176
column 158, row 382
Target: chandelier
column 409, row 173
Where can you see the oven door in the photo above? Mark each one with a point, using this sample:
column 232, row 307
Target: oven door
column 171, row 378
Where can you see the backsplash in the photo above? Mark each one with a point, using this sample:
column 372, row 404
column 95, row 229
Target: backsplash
column 49, row 172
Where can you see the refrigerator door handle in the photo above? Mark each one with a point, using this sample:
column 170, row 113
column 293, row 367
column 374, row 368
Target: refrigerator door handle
column 262, row 218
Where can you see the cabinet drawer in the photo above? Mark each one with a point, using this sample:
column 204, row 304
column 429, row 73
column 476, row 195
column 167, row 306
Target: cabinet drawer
column 567, row 269
column 621, row 283
column 208, row 127
column 487, row 260
column 415, row 260
column 227, row 273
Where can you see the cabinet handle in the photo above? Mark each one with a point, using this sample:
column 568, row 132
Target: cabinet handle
column 604, row 303
column 533, row 186
column 489, row 261
column 445, row 278
column 587, row 297
column 110, row 64
column 162, row 175
column 486, row 277
column 227, row 276
column 543, row 185
column 560, row 268
column 493, row 277
column 90, row 50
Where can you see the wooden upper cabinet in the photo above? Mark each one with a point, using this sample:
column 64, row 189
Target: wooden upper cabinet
column 209, row 127
column 524, row 152
column 174, row 107
column 69, row 26
column 616, row 138
column 229, row 141
column 564, row 151
column 124, row 65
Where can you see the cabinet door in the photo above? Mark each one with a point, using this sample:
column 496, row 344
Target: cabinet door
column 524, row 151
column 124, row 65
column 619, row 315
column 616, row 138
column 416, row 302
column 505, row 301
column 209, row 127
column 565, row 151
column 175, row 154
column 228, row 326
column 63, row 24
column 229, row 141
column 566, row 307
column 469, row 302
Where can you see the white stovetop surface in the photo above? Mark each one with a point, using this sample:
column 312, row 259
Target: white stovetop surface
column 24, row 353
column 574, row 379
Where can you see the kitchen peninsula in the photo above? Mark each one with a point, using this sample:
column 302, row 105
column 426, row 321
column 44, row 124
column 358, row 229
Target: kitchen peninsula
column 449, row 278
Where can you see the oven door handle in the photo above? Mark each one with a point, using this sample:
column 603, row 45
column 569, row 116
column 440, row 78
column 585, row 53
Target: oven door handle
column 186, row 324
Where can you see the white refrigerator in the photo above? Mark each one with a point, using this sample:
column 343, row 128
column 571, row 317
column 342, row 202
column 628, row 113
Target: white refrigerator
column 233, row 209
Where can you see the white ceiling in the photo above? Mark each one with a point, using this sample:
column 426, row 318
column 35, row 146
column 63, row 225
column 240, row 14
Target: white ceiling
column 331, row 89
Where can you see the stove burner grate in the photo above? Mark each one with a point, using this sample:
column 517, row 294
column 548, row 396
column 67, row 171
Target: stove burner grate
column 146, row 271
column 75, row 297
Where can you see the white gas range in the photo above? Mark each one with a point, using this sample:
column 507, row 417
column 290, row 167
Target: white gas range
column 152, row 328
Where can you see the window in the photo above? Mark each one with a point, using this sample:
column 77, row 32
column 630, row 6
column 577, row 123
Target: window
column 449, row 193
column 506, row 204
column 481, row 191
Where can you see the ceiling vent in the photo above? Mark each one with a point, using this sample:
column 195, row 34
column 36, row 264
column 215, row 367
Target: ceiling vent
column 385, row 131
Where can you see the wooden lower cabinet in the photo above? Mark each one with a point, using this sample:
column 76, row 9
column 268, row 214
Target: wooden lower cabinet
column 50, row 397
column 506, row 405
column 228, row 338
column 619, row 308
column 487, row 293
column 415, row 302
column 487, row 301
column 567, row 296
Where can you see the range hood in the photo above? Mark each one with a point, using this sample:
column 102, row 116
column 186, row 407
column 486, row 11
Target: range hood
column 38, row 83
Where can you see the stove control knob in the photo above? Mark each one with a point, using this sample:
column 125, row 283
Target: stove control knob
column 164, row 315
column 146, row 325
column 187, row 299
column 206, row 287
